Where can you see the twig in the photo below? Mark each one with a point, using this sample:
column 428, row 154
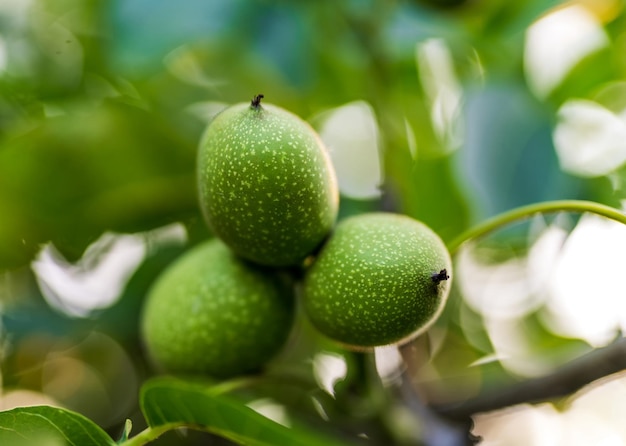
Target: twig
column 565, row 381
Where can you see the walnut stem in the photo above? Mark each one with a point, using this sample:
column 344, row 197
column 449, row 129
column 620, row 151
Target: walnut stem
column 256, row 101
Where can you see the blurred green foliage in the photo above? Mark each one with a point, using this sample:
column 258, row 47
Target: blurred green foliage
column 102, row 104
column 97, row 105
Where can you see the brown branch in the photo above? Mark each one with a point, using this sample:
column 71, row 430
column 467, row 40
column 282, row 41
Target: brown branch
column 564, row 381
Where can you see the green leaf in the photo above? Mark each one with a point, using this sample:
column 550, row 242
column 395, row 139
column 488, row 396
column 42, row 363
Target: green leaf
column 49, row 426
column 170, row 403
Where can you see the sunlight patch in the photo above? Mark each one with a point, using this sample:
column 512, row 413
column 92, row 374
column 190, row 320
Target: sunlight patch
column 442, row 88
column 589, row 139
column 328, row 369
column 272, row 410
column 352, row 136
column 592, row 416
column 521, row 279
column 556, row 43
column 97, row 280
column 389, row 363
column 586, row 292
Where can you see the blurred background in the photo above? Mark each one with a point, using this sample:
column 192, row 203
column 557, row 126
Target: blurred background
column 450, row 111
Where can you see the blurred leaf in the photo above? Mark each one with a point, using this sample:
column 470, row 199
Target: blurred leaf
column 515, row 17
column 583, row 81
column 137, row 48
column 112, row 167
column 175, row 403
column 410, row 23
column 435, row 197
column 442, row 4
column 52, row 426
column 508, row 159
column 25, row 311
column 353, row 206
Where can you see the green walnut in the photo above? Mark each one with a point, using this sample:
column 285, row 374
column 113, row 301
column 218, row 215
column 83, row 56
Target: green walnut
column 380, row 279
column 212, row 313
column 266, row 185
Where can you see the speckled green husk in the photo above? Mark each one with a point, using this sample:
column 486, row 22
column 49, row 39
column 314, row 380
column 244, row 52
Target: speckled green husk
column 267, row 187
column 372, row 283
column 212, row 313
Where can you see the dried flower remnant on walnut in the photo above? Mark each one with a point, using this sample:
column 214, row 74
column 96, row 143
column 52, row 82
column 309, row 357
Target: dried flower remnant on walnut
column 440, row 276
column 256, row 101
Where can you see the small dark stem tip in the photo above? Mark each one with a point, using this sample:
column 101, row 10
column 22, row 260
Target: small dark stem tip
column 440, row 276
column 256, row 101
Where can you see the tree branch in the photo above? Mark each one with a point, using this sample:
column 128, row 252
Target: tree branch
column 564, row 381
